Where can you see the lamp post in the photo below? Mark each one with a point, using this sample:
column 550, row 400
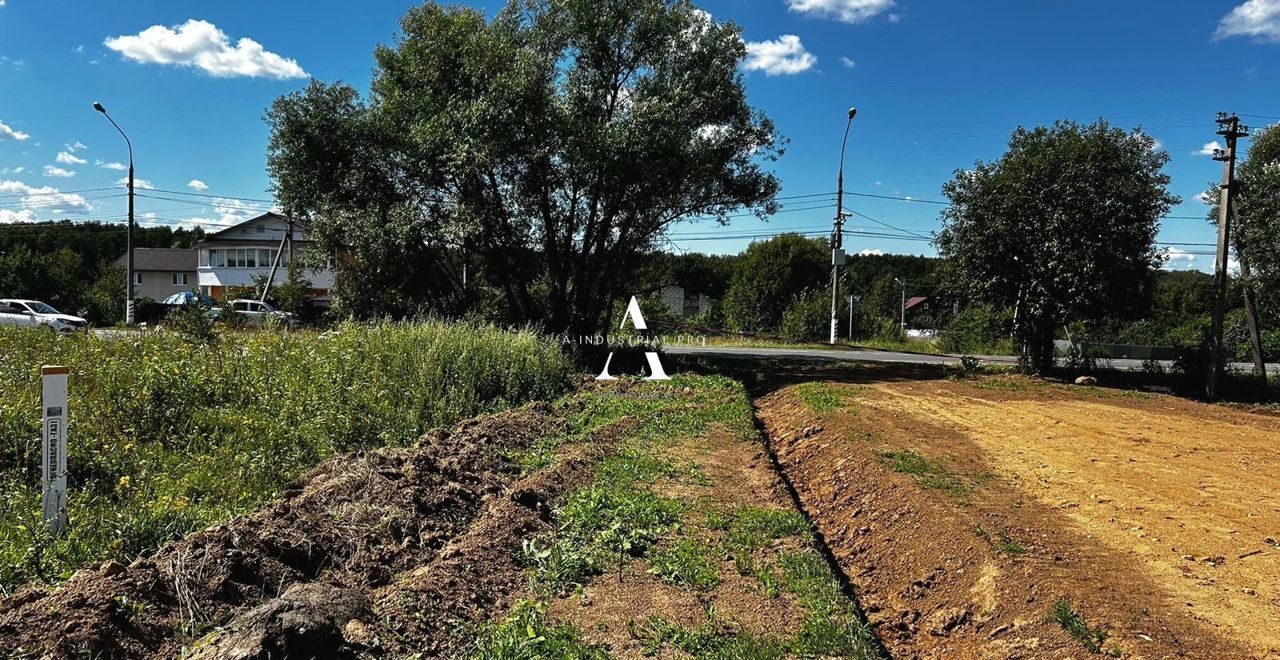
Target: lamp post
column 837, row 236
column 128, row 299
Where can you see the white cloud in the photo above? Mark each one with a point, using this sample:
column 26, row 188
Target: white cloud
column 1156, row 144
column 67, row 158
column 76, row 146
column 1178, row 259
column 7, row 133
column 848, row 62
column 784, row 56
column 1257, row 19
column 46, row 198
column 849, row 11
column 13, row 170
column 58, row 172
column 197, row 185
column 139, row 184
column 871, row 253
column 119, row 167
column 1209, row 148
column 8, row 216
column 202, row 45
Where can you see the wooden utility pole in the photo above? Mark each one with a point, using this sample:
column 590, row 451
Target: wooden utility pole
column 1231, row 130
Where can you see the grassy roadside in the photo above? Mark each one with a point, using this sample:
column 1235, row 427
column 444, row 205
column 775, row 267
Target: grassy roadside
column 667, row 521
column 167, row 437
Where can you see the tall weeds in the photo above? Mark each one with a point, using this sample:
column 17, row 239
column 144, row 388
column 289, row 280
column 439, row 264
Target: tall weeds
column 167, row 437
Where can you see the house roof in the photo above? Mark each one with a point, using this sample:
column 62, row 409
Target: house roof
column 225, row 234
column 165, row 259
column 915, row 300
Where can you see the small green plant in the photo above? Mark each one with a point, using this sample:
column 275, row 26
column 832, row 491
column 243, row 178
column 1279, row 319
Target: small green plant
column 527, row 634
column 832, row 626
column 970, row 365
column 820, row 397
column 927, row 473
column 1092, row 638
column 713, row 639
column 192, row 322
column 687, row 562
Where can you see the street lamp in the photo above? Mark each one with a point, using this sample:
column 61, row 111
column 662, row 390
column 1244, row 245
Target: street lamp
column 837, row 236
column 128, row 299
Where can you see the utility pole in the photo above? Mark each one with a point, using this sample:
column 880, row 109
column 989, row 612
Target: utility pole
column 1229, row 127
column 904, row 303
column 837, row 233
column 851, row 299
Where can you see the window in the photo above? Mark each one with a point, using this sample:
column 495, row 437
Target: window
column 137, row 278
column 179, row 279
column 251, row 256
column 265, row 257
column 262, row 229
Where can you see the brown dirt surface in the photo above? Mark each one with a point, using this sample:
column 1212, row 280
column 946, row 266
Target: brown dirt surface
column 1155, row 519
column 737, row 473
column 331, row 565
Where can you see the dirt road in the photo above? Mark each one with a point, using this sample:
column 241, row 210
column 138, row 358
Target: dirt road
column 992, row 505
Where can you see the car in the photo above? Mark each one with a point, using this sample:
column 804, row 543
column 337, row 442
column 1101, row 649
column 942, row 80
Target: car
column 33, row 313
column 183, row 298
column 259, row 313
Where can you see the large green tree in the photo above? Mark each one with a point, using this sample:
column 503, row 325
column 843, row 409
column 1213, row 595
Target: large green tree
column 770, row 276
column 550, row 145
column 1060, row 229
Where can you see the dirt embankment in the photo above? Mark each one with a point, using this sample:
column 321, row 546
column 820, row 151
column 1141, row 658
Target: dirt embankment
column 397, row 551
column 1010, row 518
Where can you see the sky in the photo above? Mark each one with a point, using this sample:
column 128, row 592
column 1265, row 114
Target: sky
column 938, row 85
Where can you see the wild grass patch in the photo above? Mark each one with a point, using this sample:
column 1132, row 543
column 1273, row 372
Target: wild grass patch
column 820, row 397
column 1091, row 637
column 166, row 436
column 929, row 474
column 527, row 634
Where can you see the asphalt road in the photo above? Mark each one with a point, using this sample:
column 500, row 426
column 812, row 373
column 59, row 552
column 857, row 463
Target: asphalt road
column 872, row 355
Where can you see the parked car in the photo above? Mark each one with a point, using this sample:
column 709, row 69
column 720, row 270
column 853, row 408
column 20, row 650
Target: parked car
column 32, row 313
column 182, row 298
column 260, row 313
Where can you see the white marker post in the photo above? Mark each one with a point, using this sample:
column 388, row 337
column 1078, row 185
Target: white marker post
column 53, row 467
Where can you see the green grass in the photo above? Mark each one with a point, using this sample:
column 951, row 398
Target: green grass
column 832, row 626
column 527, row 635
column 619, row 518
column 1002, row 542
column 166, row 437
column 688, row 562
column 1092, row 638
column 929, row 474
column 712, row 639
column 820, row 397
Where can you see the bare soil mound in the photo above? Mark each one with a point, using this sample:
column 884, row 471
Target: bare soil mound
column 342, row 564
column 1006, row 517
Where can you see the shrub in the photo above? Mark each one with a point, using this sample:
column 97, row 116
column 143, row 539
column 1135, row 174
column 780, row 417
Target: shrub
column 974, row 330
column 167, row 436
column 808, row 318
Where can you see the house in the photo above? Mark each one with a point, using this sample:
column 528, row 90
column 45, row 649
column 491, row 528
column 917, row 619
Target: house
column 234, row 257
column 161, row 272
column 918, row 305
column 683, row 303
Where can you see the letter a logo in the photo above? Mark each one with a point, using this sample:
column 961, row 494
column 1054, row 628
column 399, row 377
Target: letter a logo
column 656, row 372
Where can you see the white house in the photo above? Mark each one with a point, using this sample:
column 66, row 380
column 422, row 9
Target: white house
column 234, row 256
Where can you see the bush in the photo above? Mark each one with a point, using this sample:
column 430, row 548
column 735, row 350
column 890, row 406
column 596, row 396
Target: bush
column 167, row 436
column 808, row 318
column 974, row 330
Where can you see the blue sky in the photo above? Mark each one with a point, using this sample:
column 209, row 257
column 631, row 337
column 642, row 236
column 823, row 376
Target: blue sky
column 937, row 84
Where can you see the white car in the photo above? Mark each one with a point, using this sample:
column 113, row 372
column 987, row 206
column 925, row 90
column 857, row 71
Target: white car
column 32, row 313
column 260, row 313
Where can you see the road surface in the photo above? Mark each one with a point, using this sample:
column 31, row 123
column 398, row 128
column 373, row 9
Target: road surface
column 874, row 355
